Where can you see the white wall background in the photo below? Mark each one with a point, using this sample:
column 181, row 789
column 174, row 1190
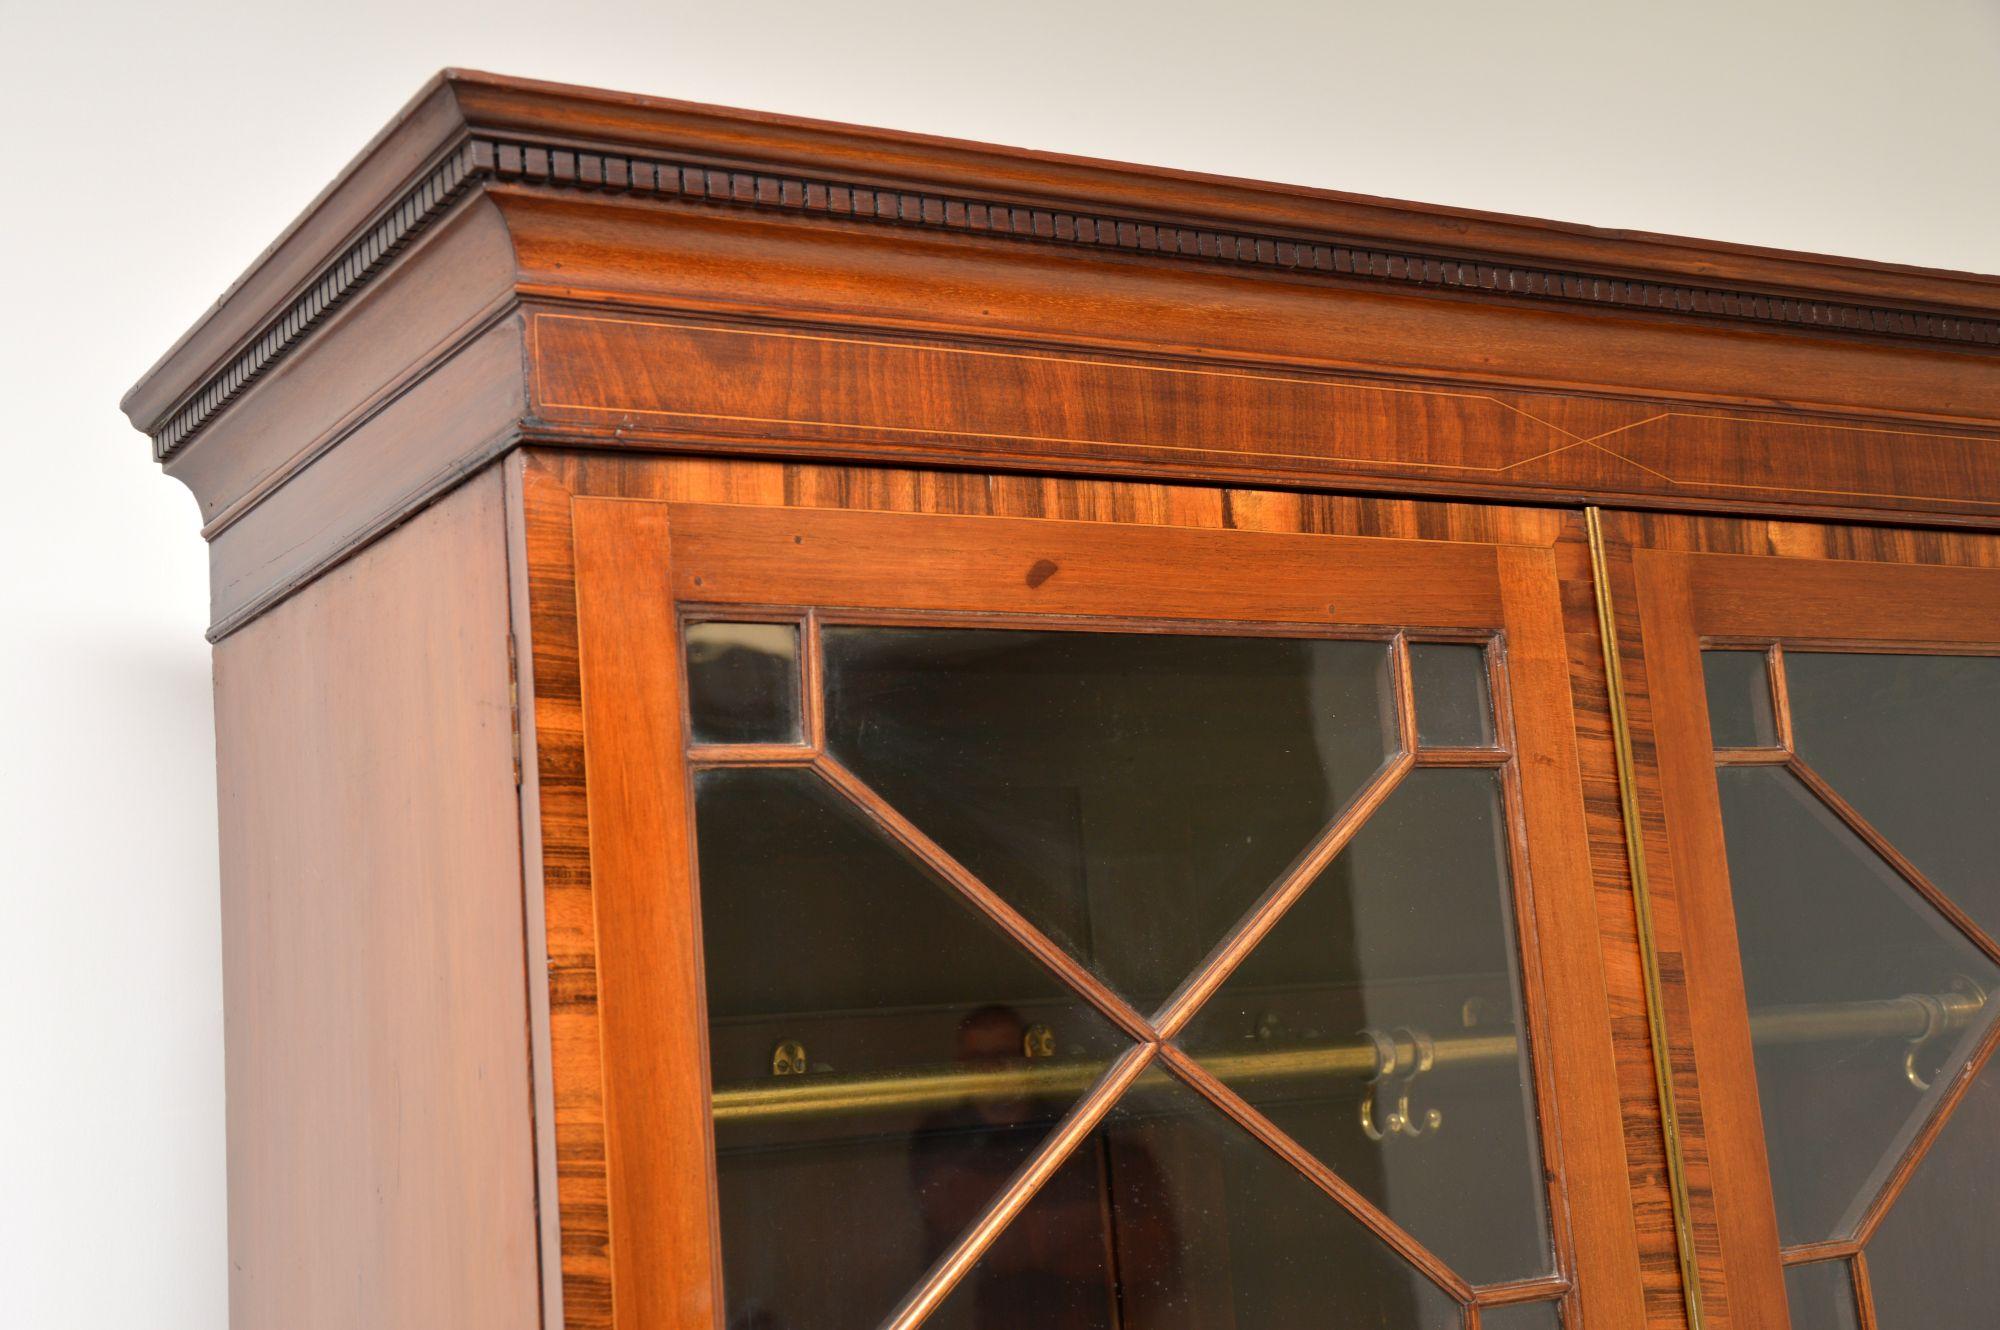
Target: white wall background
column 152, row 149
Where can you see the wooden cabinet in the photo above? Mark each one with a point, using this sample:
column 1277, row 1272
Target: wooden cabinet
column 1822, row 704
column 822, row 728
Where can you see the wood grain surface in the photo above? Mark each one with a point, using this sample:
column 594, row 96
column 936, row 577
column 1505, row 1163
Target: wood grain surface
column 1687, row 581
column 381, row 1146
column 761, row 535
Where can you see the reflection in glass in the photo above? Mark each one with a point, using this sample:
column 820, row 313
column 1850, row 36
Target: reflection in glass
column 1453, row 706
column 1932, row 1266
column 1821, row 1296
column 1530, row 1316
column 1409, row 933
column 1171, row 1217
column 742, row 682
column 1130, row 794
column 1740, row 713
column 1831, row 936
column 1910, row 742
column 827, row 947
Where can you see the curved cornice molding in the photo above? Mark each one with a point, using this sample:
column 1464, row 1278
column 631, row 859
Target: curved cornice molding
column 479, row 157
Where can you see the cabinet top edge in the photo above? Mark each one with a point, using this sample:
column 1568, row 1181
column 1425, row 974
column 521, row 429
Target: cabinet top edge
column 465, row 128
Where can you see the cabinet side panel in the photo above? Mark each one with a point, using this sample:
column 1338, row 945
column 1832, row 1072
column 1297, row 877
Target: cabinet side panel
column 381, row 1145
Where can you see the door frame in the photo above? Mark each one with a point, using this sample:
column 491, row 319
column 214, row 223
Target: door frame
column 1683, row 584
column 634, row 540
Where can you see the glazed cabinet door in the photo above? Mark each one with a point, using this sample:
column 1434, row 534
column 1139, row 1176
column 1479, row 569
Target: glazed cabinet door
column 1105, row 919
column 1824, row 707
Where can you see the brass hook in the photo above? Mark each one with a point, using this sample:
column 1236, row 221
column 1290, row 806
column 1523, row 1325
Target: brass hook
column 1933, row 1026
column 1368, row 1127
column 1387, row 1058
column 1425, row 1058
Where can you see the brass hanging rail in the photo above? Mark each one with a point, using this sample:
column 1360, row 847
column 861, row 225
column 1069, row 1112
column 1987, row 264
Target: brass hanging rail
column 1915, row 1018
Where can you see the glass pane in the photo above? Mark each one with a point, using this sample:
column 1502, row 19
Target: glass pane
column 1453, row 709
column 1739, row 699
column 1833, row 942
column 1821, row 1296
column 1409, row 933
column 1130, row 794
column 743, row 682
column 1910, row 742
column 1171, row 1217
column 1531, row 1316
column 828, row 949
column 1932, row 1266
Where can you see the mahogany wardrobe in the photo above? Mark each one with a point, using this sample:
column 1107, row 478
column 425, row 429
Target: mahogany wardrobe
column 823, row 728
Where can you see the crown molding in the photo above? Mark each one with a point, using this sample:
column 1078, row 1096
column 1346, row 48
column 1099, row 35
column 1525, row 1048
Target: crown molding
column 1193, row 238
column 388, row 235
column 1204, row 227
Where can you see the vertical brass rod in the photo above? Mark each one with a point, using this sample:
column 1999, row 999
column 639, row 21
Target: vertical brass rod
column 1642, row 906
